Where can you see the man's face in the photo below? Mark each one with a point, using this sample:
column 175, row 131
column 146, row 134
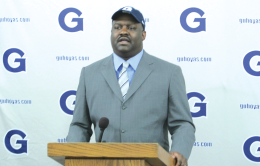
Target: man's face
column 127, row 36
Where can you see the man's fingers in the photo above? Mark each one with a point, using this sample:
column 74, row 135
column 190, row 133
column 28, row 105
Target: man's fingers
column 180, row 159
column 176, row 156
column 178, row 162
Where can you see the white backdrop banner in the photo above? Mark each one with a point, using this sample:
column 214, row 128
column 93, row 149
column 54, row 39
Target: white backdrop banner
column 45, row 44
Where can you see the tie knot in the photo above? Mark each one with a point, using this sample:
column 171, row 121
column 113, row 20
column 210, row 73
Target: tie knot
column 125, row 65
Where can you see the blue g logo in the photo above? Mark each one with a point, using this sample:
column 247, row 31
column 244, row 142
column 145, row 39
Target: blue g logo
column 202, row 21
column 21, row 60
column 247, row 146
column 78, row 27
column 22, row 142
column 246, row 63
column 63, row 101
column 201, row 105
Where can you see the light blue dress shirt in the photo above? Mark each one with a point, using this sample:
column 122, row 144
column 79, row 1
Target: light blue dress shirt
column 133, row 63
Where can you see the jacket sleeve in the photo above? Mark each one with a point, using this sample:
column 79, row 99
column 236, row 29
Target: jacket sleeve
column 180, row 124
column 80, row 127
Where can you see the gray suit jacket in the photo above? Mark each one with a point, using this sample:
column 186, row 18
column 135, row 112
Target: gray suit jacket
column 156, row 102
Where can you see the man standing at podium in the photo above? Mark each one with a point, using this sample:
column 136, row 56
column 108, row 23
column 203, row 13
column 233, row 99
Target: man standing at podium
column 143, row 96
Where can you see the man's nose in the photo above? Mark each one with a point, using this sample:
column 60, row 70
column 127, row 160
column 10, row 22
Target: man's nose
column 124, row 30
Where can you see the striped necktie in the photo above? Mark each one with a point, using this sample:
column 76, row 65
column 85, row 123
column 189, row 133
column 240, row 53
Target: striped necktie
column 123, row 79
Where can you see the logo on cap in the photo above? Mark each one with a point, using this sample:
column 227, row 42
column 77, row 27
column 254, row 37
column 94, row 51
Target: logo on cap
column 127, row 8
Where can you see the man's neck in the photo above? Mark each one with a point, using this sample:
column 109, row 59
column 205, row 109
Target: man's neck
column 127, row 55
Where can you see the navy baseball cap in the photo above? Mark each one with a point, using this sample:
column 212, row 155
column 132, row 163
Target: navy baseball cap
column 130, row 10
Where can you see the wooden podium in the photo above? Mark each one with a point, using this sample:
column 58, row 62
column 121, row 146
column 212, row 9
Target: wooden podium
column 110, row 154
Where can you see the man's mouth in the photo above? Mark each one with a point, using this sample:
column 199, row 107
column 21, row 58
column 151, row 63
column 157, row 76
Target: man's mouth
column 123, row 40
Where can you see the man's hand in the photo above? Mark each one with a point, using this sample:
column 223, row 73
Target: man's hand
column 181, row 160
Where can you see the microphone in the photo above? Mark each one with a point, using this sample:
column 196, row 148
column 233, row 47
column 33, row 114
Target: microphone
column 103, row 123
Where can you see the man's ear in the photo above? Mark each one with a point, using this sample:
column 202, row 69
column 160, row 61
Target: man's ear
column 144, row 35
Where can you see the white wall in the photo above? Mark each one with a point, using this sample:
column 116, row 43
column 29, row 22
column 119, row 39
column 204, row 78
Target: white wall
column 231, row 94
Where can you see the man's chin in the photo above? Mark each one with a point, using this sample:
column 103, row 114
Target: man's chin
column 124, row 49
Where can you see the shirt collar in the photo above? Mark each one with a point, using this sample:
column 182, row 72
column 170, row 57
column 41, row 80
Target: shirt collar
column 134, row 61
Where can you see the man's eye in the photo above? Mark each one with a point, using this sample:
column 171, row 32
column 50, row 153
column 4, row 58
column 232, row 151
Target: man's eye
column 117, row 27
column 132, row 28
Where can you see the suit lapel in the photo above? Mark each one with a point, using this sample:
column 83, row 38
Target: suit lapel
column 142, row 72
column 108, row 72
